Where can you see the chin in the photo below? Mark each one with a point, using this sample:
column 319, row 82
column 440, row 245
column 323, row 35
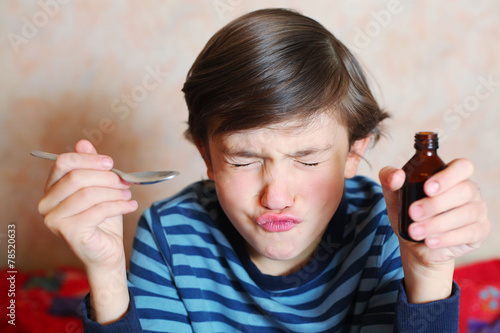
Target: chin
column 281, row 252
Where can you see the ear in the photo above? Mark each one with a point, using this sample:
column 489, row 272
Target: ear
column 205, row 154
column 354, row 156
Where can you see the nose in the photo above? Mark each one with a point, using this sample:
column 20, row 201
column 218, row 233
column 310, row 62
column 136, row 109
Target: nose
column 276, row 194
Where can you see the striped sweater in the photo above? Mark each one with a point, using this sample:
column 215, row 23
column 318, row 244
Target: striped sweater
column 190, row 272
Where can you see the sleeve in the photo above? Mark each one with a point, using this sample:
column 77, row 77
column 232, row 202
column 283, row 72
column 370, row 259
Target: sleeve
column 151, row 278
column 388, row 308
column 439, row 316
column 379, row 314
column 153, row 295
column 128, row 324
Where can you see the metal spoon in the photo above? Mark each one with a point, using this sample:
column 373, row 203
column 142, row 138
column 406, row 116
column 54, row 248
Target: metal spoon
column 143, row 178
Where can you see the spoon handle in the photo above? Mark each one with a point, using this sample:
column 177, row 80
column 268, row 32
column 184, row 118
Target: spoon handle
column 52, row 157
column 42, row 154
column 150, row 177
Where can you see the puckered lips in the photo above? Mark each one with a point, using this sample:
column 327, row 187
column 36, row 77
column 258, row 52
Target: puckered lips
column 277, row 222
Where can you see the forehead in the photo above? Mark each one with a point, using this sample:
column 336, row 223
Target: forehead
column 321, row 130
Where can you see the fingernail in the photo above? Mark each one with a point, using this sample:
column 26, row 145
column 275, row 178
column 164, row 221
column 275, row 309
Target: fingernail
column 106, row 162
column 432, row 187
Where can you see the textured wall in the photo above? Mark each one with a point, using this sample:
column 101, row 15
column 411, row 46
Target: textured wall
column 112, row 71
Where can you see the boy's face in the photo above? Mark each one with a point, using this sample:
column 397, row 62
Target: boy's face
column 281, row 185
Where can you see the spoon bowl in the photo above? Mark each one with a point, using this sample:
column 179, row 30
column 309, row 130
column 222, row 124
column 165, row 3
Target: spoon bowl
column 141, row 178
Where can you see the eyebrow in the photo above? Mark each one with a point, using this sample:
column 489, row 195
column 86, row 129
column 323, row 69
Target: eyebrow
column 300, row 153
column 310, row 151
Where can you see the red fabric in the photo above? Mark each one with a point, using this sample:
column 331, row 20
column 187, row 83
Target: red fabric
column 45, row 301
column 48, row 301
column 479, row 296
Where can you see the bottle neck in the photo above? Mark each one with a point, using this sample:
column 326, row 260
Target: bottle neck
column 426, row 141
column 426, row 152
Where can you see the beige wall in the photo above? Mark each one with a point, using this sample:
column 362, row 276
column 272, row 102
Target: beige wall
column 75, row 69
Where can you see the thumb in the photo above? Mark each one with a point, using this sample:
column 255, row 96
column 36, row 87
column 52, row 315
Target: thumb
column 85, row 146
column 392, row 180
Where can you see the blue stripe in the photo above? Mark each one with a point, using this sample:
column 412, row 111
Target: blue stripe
column 185, row 270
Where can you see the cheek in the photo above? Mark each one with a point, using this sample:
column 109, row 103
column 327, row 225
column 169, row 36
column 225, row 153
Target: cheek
column 234, row 190
column 238, row 199
column 324, row 189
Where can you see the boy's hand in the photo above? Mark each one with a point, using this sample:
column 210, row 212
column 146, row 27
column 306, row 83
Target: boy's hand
column 452, row 221
column 84, row 202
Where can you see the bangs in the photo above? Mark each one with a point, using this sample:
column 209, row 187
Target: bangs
column 269, row 67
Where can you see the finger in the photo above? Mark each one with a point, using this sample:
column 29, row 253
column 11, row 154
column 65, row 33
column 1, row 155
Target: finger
column 457, row 196
column 89, row 218
column 455, row 172
column 392, row 180
column 471, row 235
column 71, row 161
column 82, row 200
column 75, row 180
column 453, row 219
column 89, row 197
column 85, row 146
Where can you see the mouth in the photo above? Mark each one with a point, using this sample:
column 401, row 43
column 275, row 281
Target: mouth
column 277, row 222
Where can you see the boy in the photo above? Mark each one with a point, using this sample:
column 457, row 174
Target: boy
column 283, row 236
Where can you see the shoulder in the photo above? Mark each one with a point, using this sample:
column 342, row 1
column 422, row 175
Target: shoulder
column 366, row 210
column 362, row 186
column 198, row 195
column 196, row 205
column 362, row 193
column 197, row 198
column 184, row 221
column 367, row 225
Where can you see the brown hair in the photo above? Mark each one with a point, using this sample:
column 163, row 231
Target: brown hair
column 273, row 65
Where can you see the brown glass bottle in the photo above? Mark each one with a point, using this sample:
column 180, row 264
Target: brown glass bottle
column 418, row 169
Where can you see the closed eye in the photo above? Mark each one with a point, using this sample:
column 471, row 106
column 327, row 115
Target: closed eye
column 309, row 164
column 238, row 165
